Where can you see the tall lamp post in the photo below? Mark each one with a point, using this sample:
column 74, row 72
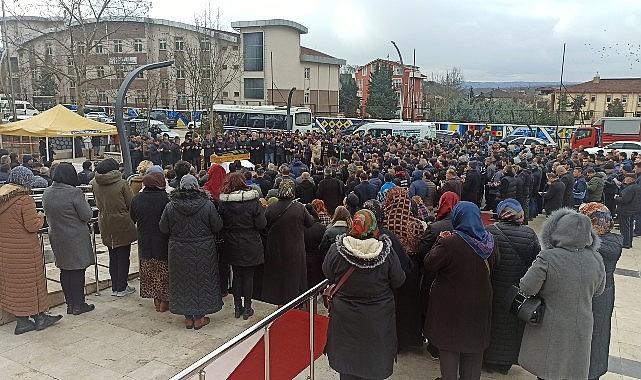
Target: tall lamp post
column 120, row 102
column 12, row 99
column 400, row 57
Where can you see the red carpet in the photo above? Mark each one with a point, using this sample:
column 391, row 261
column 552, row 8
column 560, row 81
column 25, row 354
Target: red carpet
column 288, row 348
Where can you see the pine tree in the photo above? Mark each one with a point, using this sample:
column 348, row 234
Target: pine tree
column 615, row 108
column 349, row 101
column 382, row 101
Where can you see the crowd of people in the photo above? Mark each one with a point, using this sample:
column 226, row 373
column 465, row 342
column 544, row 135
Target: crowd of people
column 397, row 221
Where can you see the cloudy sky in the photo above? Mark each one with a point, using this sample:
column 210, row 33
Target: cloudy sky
column 489, row 40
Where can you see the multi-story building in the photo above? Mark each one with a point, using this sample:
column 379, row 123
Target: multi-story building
column 257, row 66
column 407, row 80
column 600, row 92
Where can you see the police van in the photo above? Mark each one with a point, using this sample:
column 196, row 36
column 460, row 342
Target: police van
column 419, row 130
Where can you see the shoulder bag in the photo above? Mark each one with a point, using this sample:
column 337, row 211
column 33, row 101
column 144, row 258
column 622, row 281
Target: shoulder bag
column 330, row 291
column 529, row 309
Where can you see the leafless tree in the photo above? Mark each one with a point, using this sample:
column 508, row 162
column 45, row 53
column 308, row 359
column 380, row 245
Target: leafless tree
column 78, row 30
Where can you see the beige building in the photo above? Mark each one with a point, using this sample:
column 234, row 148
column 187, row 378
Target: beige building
column 257, row 66
column 599, row 92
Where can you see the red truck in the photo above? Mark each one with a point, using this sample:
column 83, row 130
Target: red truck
column 607, row 130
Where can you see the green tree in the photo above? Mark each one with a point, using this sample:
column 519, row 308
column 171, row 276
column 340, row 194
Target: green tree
column 46, row 84
column 615, row 108
column 562, row 102
column 348, row 103
column 382, row 101
column 577, row 105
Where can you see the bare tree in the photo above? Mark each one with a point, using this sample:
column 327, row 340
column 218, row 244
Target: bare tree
column 78, row 30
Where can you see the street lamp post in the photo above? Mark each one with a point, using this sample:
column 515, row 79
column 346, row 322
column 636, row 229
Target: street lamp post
column 400, row 57
column 120, row 102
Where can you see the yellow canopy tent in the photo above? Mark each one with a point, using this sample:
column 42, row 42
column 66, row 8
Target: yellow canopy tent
column 58, row 121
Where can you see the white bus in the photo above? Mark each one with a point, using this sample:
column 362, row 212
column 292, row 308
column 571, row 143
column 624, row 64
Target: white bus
column 420, row 130
column 258, row 118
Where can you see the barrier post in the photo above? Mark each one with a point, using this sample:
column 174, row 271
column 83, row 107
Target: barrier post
column 266, row 339
column 202, row 374
column 312, row 313
column 95, row 256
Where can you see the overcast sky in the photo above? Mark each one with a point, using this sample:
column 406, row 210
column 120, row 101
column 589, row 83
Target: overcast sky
column 489, row 40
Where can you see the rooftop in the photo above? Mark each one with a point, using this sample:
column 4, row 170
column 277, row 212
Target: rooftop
column 315, row 56
column 607, row 85
column 273, row 22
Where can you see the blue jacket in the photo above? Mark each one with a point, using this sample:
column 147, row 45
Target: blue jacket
column 365, row 192
column 580, row 190
column 297, row 168
column 419, row 188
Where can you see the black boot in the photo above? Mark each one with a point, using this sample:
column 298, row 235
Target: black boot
column 24, row 325
column 238, row 311
column 248, row 312
column 84, row 308
column 45, row 320
column 69, row 309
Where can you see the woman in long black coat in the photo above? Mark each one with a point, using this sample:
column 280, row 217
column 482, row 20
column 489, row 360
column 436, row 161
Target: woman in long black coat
column 243, row 219
column 285, row 271
column 314, row 257
column 361, row 338
column 191, row 220
column 146, row 209
column 603, row 305
column 518, row 246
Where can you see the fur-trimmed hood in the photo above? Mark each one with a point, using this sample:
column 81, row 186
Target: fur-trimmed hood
column 363, row 253
column 566, row 228
column 9, row 193
column 240, row 196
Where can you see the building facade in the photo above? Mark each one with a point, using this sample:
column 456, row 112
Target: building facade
column 600, row 92
column 407, row 80
column 59, row 64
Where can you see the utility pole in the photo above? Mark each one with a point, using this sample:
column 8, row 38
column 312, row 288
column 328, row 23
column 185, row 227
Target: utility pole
column 558, row 112
column 403, row 68
column 12, row 103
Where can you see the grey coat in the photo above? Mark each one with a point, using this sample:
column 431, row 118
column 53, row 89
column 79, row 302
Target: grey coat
column 567, row 274
column 67, row 214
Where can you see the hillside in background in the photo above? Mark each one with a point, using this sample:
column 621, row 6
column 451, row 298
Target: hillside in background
column 512, row 85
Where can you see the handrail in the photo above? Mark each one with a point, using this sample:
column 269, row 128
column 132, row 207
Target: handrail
column 200, row 364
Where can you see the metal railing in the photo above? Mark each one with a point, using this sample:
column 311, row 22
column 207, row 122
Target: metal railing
column 310, row 296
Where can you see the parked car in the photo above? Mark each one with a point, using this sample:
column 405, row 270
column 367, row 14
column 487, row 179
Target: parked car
column 527, row 141
column 628, row 147
column 99, row 116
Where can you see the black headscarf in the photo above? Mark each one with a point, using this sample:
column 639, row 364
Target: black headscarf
column 66, row 173
column 105, row 166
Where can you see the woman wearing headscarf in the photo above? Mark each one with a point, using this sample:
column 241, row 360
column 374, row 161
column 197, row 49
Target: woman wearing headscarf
column 113, row 198
column 285, row 271
column 361, row 337
column 216, row 176
column 409, row 229
column 518, row 246
column 323, row 215
column 243, row 218
column 339, row 225
column 443, row 223
column 375, row 206
column 135, row 181
column 68, row 213
column 314, row 257
column 23, row 286
column 559, row 347
column 603, row 305
column 459, row 312
column 146, row 209
column 191, row 221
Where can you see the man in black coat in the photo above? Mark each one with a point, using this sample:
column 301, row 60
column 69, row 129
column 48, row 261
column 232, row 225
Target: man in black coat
column 472, row 184
column 524, row 188
column 263, row 182
column 553, row 197
column 628, row 205
column 365, row 190
column 330, row 191
column 306, row 189
column 568, row 180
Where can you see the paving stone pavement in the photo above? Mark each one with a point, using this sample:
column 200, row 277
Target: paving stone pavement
column 124, row 338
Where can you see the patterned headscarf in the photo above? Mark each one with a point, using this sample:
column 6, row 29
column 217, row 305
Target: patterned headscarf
column 364, row 225
column 375, row 206
column 446, row 203
column 286, row 189
column 399, row 219
column 599, row 215
column 21, row 175
column 510, row 210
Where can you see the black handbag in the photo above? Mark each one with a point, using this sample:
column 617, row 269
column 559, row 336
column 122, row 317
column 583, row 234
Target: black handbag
column 529, row 309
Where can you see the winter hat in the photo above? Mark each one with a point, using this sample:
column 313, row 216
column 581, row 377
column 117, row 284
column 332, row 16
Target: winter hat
column 105, row 166
column 154, row 169
column 154, row 180
column 188, row 182
column 26, row 158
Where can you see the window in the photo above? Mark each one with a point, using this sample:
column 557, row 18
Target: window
column 234, row 48
column 236, row 94
column 162, row 44
column 235, row 67
column 608, row 98
column 205, row 44
column 206, row 73
column 117, row 46
column 224, row 67
column 69, row 60
column 180, row 73
column 303, row 118
column 359, row 84
column 48, row 48
column 138, row 46
column 306, row 98
column 98, row 48
column 631, row 146
column 179, row 44
column 72, row 84
column 182, row 98
column 364, row 71
column 582, row 134
column 254, row 88
column 639, row 100
column 624, row 99
column 592, row 98
column 80, row 48
column 398, row 70
column 164, row 85
column 225, row 94
column 253, row 51
column 307, row 72
column 102, row 97
column 100, row 71
column 396, row 82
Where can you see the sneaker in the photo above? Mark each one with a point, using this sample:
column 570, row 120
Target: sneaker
column 114, row 293
column 129, row 290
